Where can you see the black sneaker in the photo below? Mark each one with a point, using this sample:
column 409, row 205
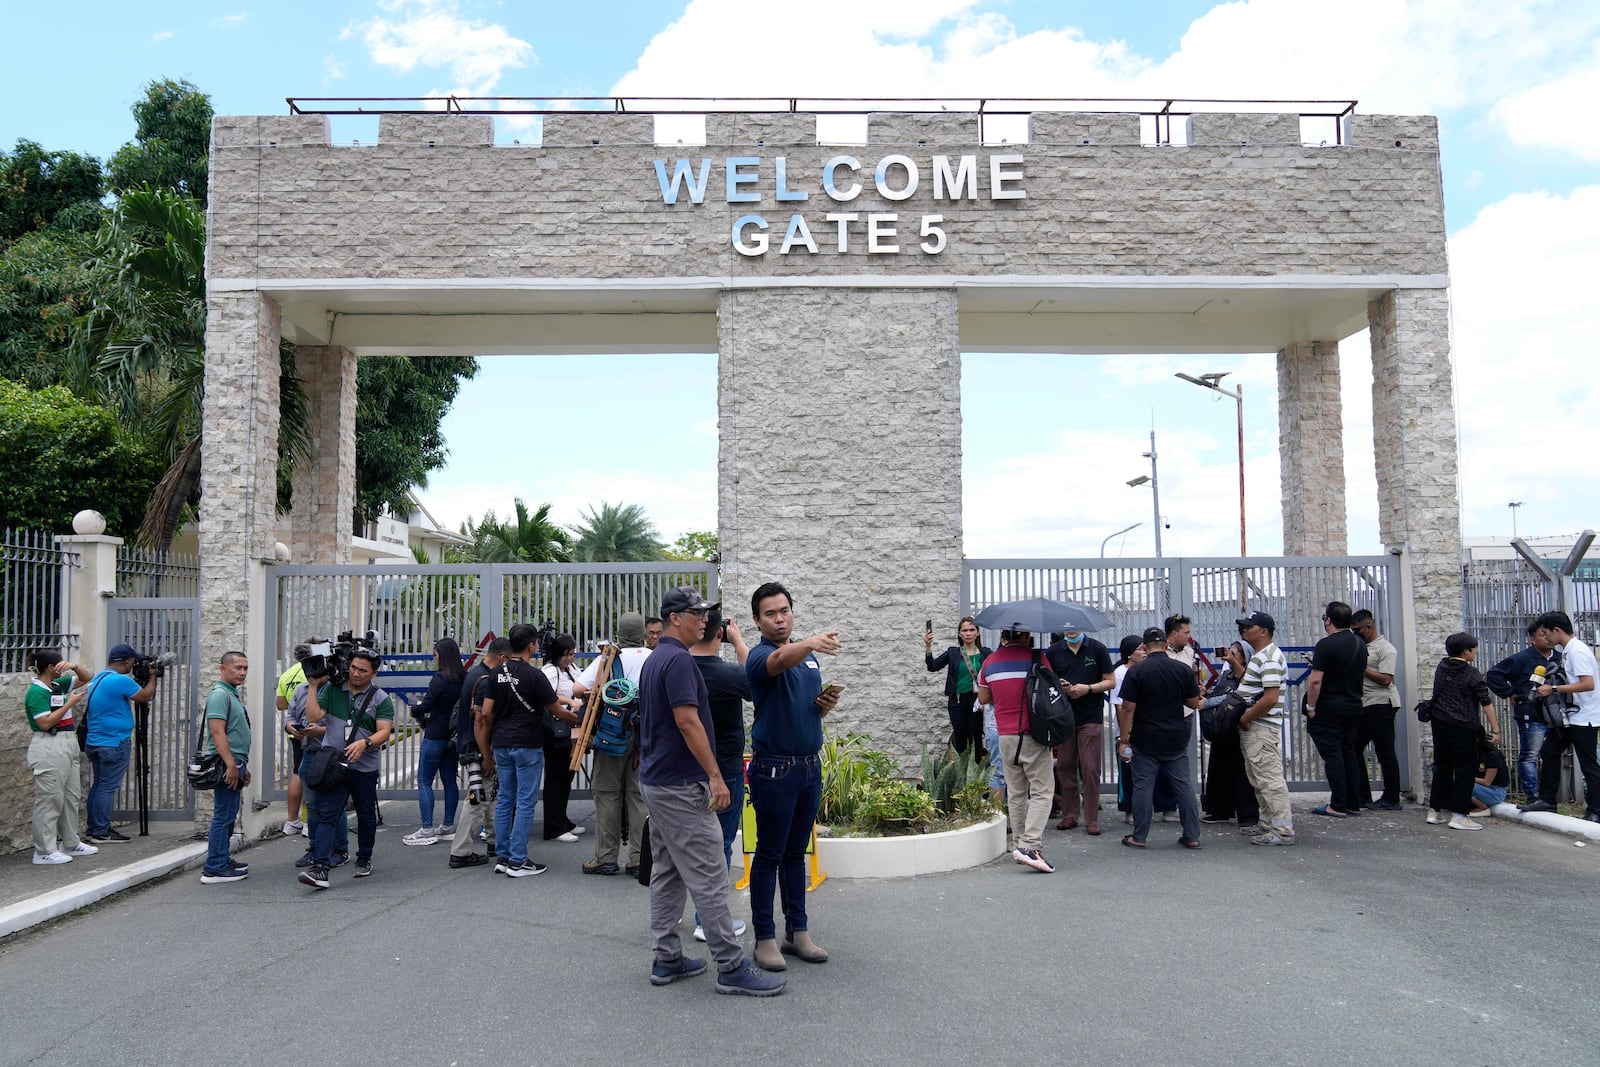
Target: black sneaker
column 1537, row 805
column 501, row 865
column 471, row 859
column 1216, row 818
column 315, row 877
column 339, row 860
column 524, row 869
column 363, row 869
column 601, row 868
column 305, row 861
column 227, row 874
column 110, row 837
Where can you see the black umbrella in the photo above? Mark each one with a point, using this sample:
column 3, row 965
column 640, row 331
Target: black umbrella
column 1042, row 615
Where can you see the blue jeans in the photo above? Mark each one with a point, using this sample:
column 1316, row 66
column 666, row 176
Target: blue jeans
column 1145, row 771
column 991, row 741
column 438, row 758
column 362, row 786
column 110, row 763
column 1530, row 738
column 341, row 828
column 520, row 770
column 1489, row 795
column 223, row 814
column 785, row 791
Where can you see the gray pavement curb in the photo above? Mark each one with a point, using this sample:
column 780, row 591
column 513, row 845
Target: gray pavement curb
column 58, row 902
column 1550, row 821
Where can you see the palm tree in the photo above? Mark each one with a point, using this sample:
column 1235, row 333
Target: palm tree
column 617, row 533
column 523, row 538
column 140, row 348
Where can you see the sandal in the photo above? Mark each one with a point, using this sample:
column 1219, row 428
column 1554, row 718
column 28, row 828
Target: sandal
column 1188, row 843
column 1131, row 843
column 1329, row 812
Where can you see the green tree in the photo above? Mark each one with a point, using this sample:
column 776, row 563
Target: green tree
column 64, row 455
column 696, row 544
column 44, row 286
column 617, row 533
column 140, row 346
column 400, row 402
column 521, row 538
column 37, row 186
column 171, row 142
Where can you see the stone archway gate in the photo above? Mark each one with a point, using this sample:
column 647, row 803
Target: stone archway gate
column 839, row 286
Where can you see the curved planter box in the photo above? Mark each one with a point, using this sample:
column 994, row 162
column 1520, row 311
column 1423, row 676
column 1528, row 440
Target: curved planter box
column 899, row 857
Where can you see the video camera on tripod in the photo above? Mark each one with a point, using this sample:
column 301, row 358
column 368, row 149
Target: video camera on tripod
column 331, row 659
column 147, row 667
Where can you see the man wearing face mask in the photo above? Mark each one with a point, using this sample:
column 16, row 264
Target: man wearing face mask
column 1085, row 669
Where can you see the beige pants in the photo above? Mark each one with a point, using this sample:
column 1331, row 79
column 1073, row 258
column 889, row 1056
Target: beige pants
column 57, row 791
column 1029, row 787
column 1263, row 765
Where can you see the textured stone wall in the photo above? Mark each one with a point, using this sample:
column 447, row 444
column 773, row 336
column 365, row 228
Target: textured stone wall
column 1245, row 198
column 1414, row 440
column 1311, row 450
column 325, row 487
column 840, row 468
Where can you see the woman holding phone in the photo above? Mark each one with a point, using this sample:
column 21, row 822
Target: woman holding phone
column 960, row 663
column 53, row 757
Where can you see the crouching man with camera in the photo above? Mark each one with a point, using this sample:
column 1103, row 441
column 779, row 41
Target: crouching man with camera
column 358, row 716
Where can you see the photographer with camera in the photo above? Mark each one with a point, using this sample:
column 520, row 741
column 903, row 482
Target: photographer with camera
column 108, row 739
column 1515, row 677
column 1571, row 689
column 475, row 813
column 359, row 716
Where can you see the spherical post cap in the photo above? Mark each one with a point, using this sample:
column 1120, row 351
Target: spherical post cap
column 280, row 552
column 89, row 522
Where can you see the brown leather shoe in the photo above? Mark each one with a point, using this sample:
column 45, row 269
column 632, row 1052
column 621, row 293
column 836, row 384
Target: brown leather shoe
column 1066, row 824
column 800, row 944
column 767, row 956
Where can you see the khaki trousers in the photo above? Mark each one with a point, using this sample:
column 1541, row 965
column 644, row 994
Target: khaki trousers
column 1263, row 765
column 57, row 791
column 1029, row 787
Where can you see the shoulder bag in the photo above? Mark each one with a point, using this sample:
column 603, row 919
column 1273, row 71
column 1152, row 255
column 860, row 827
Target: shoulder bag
column 325, row 767
column 208, row 770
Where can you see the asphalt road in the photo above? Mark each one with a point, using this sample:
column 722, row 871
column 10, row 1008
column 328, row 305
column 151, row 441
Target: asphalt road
column 1379, row 940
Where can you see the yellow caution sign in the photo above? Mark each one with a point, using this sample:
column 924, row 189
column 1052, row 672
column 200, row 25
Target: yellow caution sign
column 747, row 834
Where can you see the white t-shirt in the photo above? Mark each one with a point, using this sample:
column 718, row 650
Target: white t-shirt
column 1578, row 658
column 632, row 663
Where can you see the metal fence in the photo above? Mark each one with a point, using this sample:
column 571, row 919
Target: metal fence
column 410, row 606
column 144, row 572
column 35, row 582
column 1212, row 593
column 168, row 726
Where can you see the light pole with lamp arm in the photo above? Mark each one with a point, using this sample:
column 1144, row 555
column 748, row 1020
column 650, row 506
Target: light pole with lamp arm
column 1124, row 530
column 1209, row 381
column 1155, row 492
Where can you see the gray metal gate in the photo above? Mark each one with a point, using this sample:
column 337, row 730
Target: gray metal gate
column 410, row 606
column 1213, row 592
column 154, row 625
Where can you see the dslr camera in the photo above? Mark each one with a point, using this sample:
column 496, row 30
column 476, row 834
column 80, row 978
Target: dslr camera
column 331, row 659
column 148, row 667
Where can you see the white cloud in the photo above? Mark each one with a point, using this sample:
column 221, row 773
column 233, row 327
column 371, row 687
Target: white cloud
column 164, row 35
column 432, row 33
column 1557, row 114
column 332, row 69
column 232, row 20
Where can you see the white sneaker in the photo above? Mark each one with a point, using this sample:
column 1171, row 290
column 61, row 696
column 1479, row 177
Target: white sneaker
column 44, row 859
column 447, row 830
column 738, row 930
column 424, row 836
column 1461, row 822
column 569, row 837
column 305, row 829
column 293, row 827
column 1435, row 818
column 82, row 848
column 577, row 830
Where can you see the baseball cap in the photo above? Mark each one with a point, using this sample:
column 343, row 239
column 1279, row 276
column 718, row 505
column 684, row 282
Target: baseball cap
column 121, row 652
column 1155, row 636
column 685, row 598
column 1258, row 618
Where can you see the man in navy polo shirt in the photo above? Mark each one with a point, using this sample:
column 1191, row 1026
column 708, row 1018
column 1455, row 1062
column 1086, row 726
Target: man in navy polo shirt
column 785, row 771
column 684, row 789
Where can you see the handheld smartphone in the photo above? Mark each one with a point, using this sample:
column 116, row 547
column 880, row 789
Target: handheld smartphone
column 831, row 687
column 1220, row 652
column 927, row 627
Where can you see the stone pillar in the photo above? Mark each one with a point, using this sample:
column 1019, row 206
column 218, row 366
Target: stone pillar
column 1311, row 450
column 840, row 476
column 238, row 504
column 324, row 493
column 88, row 592
column 1414, row 444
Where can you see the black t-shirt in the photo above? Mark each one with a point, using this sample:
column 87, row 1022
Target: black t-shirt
column 728, row 689
column 521, row 694
column 1342, row 659
column 1494, row 758
column 1087, row 666
column 1158, row 688
column 439, row 704
column 473, row 690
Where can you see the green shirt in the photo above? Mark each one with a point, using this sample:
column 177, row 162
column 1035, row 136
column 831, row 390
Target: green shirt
column 965, row 682
column 42, row 699
column 223, row 703
column 338, row 703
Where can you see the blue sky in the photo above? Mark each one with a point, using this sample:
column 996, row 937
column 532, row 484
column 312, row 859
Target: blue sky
column 1511, row 80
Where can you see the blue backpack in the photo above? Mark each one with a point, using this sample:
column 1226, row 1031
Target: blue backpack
column 617, row 732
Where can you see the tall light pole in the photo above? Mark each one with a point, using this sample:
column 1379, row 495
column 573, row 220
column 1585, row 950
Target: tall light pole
column 1124, row 530
column 1155, row 491
column 1514, row 505
column 1209, row 381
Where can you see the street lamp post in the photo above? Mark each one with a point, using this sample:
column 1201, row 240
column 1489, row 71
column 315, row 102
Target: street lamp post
column 1514, row 505
column 1209, row 381
column 1155, row 491
column 1124, row 530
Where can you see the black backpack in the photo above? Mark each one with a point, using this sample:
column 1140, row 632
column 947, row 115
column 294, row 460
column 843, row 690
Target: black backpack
column 1050, row 717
